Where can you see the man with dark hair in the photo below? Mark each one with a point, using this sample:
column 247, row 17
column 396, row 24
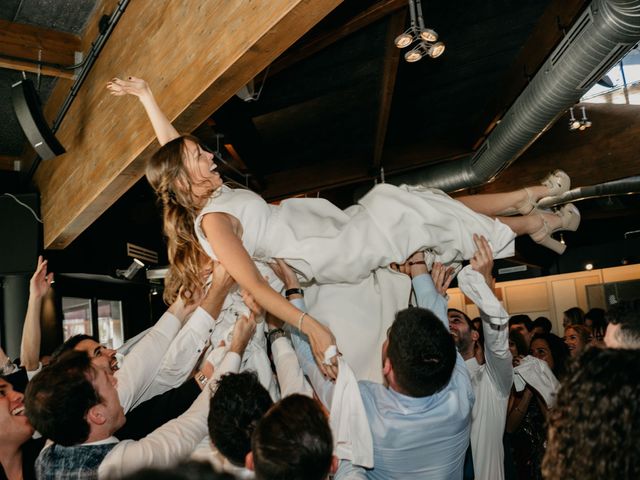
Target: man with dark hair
column 492, row 380
column 292, row 441
column 623, row 330
column 542, row 325
column 76, row 405
column 236, row 408
column 523, row 325
column 419, row 419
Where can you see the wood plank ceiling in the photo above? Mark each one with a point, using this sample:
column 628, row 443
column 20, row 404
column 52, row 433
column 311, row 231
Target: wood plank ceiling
column 337, row 101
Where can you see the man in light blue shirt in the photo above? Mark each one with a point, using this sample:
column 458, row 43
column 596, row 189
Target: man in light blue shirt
column 420, row 419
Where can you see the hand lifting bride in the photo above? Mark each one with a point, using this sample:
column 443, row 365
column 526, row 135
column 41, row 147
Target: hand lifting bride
column 325, row 245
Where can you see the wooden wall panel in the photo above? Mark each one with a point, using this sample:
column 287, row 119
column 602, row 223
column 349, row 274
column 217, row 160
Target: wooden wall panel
column 526, row 298
column 195, row 55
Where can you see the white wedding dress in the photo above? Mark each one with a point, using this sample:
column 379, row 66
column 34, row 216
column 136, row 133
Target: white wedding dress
column 342, row 255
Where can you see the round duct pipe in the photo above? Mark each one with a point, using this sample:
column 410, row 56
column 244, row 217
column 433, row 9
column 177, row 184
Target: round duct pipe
column 623, row 186
column 601, row 36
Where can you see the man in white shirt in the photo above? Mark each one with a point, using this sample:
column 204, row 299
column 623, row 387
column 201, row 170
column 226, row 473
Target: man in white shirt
column 76, row 405
column 492, row 380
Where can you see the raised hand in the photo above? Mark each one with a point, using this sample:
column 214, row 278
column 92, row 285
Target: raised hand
column 285, row 273
column 131, row 86
column 254, row 306
column 243, row 330
column 442, row 277
column 40, row 281
column 482, row 260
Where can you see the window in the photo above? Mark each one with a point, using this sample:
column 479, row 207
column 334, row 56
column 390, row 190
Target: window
column 76, row 317
column 110, row 323
column 100, row 318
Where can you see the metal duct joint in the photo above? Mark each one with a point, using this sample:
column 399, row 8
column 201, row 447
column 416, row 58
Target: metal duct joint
column 616, row 187
column 600, row 37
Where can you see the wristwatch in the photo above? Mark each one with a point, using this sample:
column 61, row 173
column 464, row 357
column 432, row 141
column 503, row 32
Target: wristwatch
column 201, row 378
column 275, row 334
column 293, row 291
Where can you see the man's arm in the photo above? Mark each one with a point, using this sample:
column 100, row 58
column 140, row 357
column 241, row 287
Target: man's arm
column 175, row 440
column 186, row 349
column 477, row 283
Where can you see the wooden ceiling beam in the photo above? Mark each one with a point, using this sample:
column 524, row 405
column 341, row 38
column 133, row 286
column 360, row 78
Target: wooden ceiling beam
column 389, row 74
column 21, row 45
column 311, row 46
column 550, row 29
column 195, row 55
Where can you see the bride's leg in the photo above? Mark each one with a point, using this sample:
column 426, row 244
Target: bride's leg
column 526, row 225
column 493, row 203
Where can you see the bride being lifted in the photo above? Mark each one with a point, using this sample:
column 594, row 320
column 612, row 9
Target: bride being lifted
column 325, row 245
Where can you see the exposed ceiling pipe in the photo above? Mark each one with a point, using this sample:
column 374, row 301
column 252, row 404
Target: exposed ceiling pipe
column 617, row 187
column 600, row 37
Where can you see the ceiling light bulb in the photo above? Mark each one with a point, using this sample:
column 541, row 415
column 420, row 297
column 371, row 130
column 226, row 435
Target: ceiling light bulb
column 436, row 50
column 413, row 55
column 574, row 124
column 588, row 266
column 403, row 40
column 582, row 127
column 428, row 35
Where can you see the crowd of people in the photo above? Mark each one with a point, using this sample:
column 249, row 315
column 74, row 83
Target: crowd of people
column 307, row 342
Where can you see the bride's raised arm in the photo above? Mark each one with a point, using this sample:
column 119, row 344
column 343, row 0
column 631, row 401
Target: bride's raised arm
column 165, row 132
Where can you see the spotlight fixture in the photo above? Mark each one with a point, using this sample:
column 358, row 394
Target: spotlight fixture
column 584, row 121
column 562, row 239
column 582, row 124
column 426, row 37
column 588, row 266
column 130, row 272
column 574, row 124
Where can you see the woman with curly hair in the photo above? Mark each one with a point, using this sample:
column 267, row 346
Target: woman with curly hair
column 594, row 429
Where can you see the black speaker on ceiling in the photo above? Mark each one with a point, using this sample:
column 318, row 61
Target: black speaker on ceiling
column 26, row 104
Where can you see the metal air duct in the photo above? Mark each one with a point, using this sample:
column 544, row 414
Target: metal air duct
column 617, row 187
column 600, row 37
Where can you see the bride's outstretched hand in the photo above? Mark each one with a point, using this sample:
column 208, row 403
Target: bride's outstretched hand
column 131, row 86
column 323, row 346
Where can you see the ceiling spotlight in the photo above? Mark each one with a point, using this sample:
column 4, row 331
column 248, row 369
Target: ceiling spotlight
column 154, row 291
column 573, row 123
column 429, row 35
column 436, row 50
column 417, row 32
column 562, row 239
column 413, row 55
column 404, row 39
column 130, row 272
column 584, row 121
column 588, row 266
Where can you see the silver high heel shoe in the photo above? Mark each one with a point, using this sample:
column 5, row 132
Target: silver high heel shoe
column 570, row 220
column 558, row 182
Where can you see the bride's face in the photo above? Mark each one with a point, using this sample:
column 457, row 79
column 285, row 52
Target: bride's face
column 201, row 168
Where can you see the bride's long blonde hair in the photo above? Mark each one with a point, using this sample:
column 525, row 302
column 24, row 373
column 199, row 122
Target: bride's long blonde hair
column 189, row 264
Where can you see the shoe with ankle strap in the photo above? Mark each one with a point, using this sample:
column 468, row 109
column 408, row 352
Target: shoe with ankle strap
column 570, row 220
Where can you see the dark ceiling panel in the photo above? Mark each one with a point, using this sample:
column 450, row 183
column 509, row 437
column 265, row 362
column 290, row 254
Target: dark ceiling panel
column 65, row 15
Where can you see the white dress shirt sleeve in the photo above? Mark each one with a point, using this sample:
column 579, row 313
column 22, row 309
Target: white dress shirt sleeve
column 495, row 326
column 172, row 442
column 142, row 363
column 183, row 353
